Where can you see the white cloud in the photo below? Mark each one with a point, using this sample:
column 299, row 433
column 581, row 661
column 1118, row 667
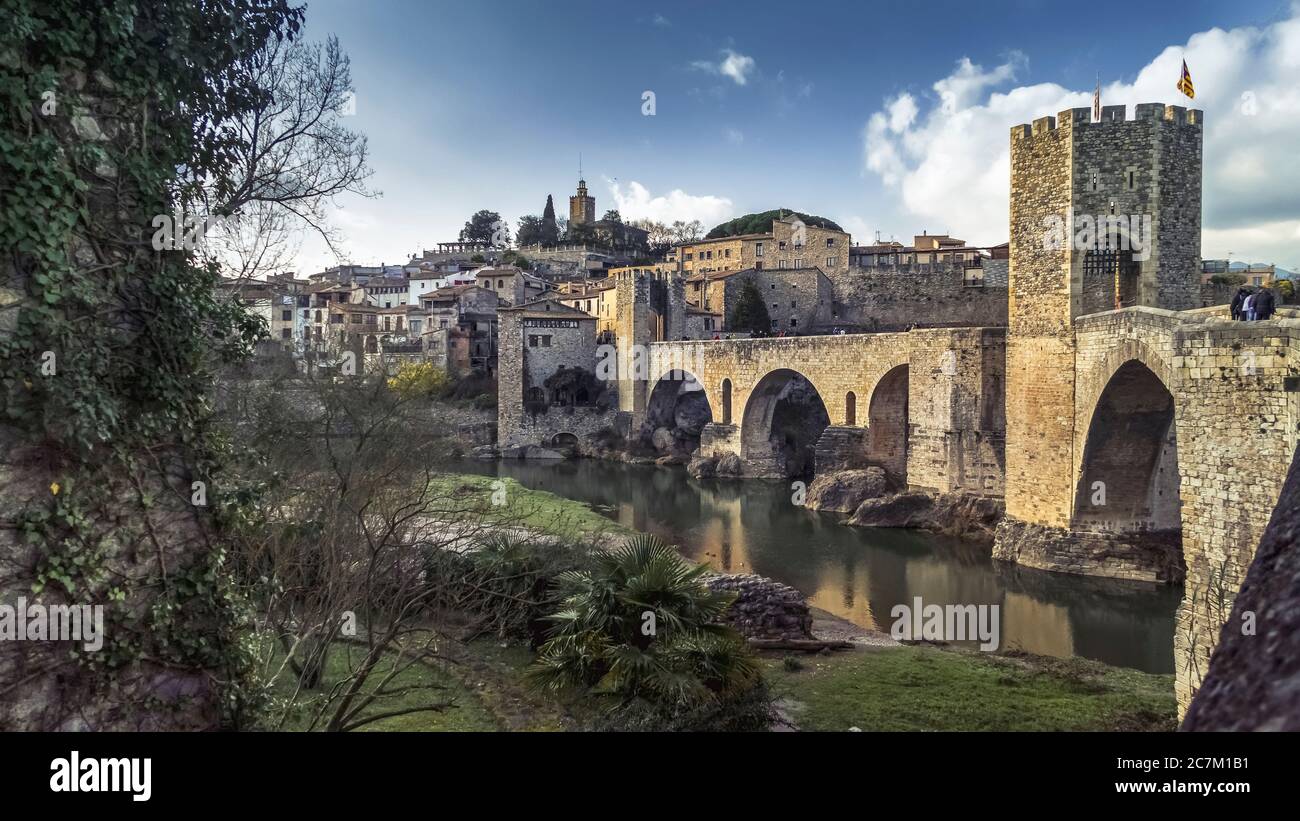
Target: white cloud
column 734, row 136
column 661, row 21
column 733, row 64
column 949, row 163
column 635, row 202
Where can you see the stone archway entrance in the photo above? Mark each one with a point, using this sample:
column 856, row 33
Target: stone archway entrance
column 1128, row 479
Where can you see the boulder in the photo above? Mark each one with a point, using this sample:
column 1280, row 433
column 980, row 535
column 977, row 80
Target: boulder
column 663, row 440
column 898, row 510
column 730, row 465
column 844, row 491
column 702, row 467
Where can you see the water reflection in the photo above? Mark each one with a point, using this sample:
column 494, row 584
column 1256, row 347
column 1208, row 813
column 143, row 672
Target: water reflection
column 861, row 573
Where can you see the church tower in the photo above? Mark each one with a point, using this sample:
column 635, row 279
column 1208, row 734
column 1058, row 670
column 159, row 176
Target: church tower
column 582, row 208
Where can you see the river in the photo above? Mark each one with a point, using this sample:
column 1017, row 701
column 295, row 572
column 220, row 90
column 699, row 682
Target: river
column 860, row 574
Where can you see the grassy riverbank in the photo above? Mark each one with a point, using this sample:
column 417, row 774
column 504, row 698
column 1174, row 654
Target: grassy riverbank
column 906, row 688
column 929, row 688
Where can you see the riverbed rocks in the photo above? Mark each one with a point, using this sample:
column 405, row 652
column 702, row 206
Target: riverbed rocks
column 704, row 467
column 764, row 608
column 846, row 490
column 970, row 517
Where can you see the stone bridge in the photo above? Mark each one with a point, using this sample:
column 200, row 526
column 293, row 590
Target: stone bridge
column 1168, row 459
column 1157, row 457
column 924, row 404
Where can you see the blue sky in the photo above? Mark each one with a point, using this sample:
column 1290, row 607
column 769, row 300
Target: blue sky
column 762, row 105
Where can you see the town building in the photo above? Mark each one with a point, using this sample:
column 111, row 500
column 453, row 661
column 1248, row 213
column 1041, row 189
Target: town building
column 790, row 243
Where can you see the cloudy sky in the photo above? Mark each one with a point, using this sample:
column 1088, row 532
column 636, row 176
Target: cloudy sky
column 888, row 117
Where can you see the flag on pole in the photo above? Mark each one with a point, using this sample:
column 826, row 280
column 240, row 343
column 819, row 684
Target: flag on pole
column 1185, row 83
column 1096, row 104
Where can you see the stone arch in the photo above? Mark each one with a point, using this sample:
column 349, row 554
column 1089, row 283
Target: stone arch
column 887, row 422
column 565, row 439
column 1127, row 350
column 677, row 409
column 783, row 418
column 1128, row 478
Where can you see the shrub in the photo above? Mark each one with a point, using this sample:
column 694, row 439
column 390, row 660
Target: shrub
column 639, row 625
column 419, row 380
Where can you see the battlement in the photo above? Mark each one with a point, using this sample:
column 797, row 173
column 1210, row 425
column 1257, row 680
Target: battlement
column 1111, row 115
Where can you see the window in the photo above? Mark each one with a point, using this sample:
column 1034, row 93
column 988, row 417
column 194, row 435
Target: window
column 798, row 263
column 532, row 339
column 780, row 263
column 284, row 333
column 546, row 341
column 831, row 262
column 727, row 253
column 758, row 249
column 792, row 305
column 501, row 283
column 1131, row 178
column 286, row 316
column 793, row 322
column 830, row 242
column 781, row 245
column 758, row 266
column 774, row 324
column 1094, row 179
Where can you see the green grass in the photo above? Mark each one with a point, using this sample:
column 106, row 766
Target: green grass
column 925, row 688
column 467, row 712
column 536, row 510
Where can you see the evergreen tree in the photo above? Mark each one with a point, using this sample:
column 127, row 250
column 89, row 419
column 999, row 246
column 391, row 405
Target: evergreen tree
column 550, row 230
column 750, row 312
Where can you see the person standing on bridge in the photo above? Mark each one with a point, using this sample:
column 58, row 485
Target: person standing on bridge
column 1263, row 304
column 1237, row 300
column 1248, row 308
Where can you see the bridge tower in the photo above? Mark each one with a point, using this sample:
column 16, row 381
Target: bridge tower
column 1140, row 181
column 650, row 306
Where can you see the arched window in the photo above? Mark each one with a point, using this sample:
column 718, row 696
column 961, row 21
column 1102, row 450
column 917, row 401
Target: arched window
column 726, row 401
column 850, row 408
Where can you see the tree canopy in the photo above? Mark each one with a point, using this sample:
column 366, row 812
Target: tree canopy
column 762, row 222
column 750, row 312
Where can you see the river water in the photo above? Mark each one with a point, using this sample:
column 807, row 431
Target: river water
column 860, row 574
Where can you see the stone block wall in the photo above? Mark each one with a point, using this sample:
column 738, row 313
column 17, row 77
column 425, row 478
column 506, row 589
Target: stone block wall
column 889, row 299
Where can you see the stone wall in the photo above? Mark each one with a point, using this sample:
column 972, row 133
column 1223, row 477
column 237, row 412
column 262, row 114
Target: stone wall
column 763, row 609
column 890, row 299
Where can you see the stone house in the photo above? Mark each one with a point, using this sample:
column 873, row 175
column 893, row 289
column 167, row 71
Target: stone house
column 511, row 285
column 789, row 244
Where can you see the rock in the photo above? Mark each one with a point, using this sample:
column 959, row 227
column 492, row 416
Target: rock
column 764, row 608
column 485, row 452
column 730, row 465
column 844, row 491
column 702, row 467
column 663, row 440
column 898, row 510
column 671, row 459
column 513, row 452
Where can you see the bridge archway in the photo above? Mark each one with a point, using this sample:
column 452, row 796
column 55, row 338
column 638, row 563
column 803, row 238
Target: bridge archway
column 887, row 423
column 1128, row 478
column 677, row 410
column 783, row 418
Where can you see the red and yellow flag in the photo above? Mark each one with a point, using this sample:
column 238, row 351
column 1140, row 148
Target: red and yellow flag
column 1185, row 83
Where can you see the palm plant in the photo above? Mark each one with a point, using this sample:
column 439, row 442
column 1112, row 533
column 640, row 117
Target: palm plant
column 641, row 624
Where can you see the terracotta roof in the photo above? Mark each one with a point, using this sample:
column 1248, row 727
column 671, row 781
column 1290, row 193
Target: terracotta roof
column 547, row 308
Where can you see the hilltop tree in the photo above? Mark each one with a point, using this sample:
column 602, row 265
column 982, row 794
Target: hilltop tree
column 659, row 237
column 750, row 312
column 612, row 215
column 686, row 231
column 484, row 227
column 530, row 230
column 762, row 222
column 550, row 229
